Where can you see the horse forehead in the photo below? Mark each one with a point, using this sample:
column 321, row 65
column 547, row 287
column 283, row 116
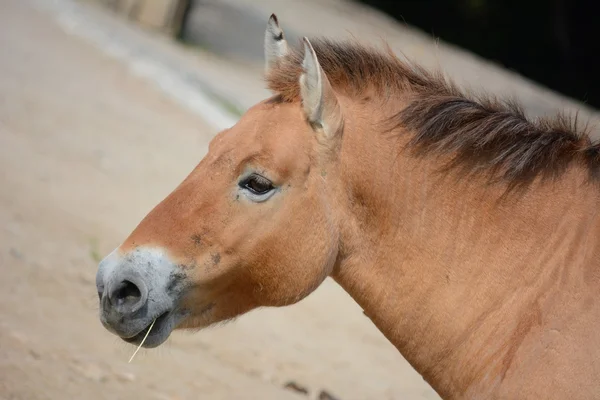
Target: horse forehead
column 273, row 120
column 269, row 131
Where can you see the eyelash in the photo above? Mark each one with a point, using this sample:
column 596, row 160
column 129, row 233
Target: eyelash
column 257, row 179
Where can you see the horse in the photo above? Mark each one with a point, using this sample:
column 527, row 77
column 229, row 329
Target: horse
column 467, row 231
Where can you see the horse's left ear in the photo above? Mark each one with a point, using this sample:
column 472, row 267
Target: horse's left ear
column 275, row 44
column 318, row 98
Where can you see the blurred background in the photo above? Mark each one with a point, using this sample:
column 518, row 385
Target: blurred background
column 549, row 41
column 106, row 105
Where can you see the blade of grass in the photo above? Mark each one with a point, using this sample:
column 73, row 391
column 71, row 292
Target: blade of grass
column 143, row 340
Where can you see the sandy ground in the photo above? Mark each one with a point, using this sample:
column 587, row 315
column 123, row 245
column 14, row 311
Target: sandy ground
column 86, row 149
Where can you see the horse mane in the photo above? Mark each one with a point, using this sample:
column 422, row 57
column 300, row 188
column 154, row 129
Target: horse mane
column 477, row 133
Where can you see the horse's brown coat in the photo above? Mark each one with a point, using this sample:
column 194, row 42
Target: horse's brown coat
column 487, row 296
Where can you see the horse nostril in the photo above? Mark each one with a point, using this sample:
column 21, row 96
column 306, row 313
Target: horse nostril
column 126, row 296
column 126, row 292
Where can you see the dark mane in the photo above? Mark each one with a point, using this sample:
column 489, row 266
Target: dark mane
column 481, row 134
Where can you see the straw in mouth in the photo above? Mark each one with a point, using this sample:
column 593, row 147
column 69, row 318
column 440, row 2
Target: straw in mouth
column 143, row 340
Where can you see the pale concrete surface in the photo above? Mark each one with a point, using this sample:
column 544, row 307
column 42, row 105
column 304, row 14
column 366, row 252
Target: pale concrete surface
column 87, row 147
column 183, row 73
column 161, row 15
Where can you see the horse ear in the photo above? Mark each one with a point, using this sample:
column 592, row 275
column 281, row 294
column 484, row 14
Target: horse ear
column 275, row 44
column 318, row 98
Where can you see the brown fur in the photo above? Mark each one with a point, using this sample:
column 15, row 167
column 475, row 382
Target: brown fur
column 486, row 135
column 486, row 299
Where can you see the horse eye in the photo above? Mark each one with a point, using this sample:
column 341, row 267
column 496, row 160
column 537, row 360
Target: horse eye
column 257, row 184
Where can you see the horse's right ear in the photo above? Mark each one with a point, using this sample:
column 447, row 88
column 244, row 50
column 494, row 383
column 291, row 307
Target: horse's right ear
column 319, row 101
column 275, row 44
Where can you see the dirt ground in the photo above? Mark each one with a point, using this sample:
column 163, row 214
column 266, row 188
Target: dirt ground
column 86, row 149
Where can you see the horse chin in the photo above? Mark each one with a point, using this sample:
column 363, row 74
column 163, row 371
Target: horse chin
column 195, row 321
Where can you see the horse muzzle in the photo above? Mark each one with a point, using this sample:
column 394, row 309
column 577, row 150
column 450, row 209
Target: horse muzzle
column 137, row 289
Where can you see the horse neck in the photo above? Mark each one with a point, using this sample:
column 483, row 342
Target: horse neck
column 445, row 269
